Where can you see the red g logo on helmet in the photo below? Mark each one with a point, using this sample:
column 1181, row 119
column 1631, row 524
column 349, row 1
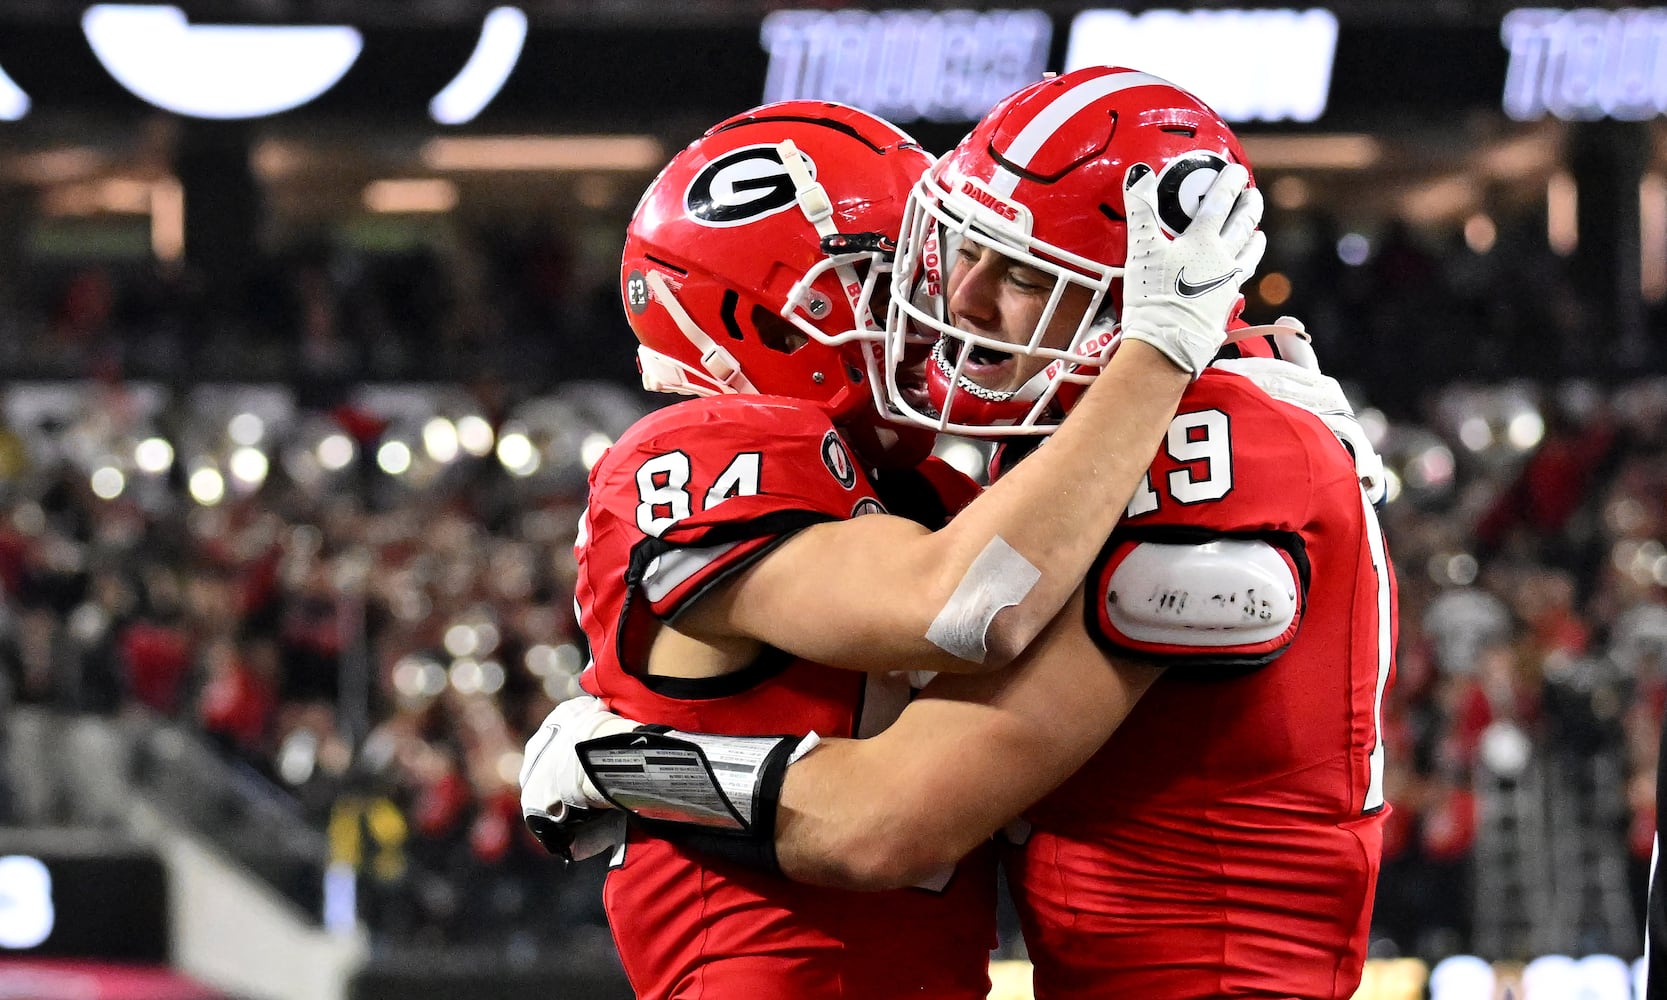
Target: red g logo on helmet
column 741, row 186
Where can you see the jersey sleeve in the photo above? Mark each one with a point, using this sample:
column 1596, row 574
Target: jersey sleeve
column 696, row 492
column 1209, row 569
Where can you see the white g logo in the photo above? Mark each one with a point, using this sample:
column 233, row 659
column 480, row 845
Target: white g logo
column 741, row 186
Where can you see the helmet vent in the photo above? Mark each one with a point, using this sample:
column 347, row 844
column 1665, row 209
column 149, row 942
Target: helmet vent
column 673, row 268
column 726, row 312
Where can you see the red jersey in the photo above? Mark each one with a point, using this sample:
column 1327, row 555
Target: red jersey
column 690, row 495
column 1226, row 840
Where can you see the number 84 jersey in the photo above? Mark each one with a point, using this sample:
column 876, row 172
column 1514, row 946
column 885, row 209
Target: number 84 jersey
column 691, row 495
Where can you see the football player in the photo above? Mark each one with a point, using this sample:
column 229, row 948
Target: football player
column 741, row 547
column 1195, row 746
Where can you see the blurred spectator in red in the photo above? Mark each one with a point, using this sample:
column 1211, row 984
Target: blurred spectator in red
column 1533, row 516
column 158, row 657
column 237, row 700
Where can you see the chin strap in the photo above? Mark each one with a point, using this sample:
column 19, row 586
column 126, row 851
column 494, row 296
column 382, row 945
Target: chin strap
column 818, row 210
column 718, row 362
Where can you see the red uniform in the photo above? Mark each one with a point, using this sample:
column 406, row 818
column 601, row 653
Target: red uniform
column 1225, row 841
column 691, row 494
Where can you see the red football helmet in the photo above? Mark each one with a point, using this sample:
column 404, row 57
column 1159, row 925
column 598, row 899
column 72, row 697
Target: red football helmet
column 752, row 261
column 1040, row 181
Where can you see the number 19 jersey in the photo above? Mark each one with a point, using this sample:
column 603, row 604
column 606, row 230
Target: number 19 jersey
column 1225, row 841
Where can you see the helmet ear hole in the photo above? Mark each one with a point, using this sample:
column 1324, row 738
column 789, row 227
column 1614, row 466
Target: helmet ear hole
column 775, row 333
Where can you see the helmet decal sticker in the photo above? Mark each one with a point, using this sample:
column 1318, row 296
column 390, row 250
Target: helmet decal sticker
column 636, row 292
column 741, row 186
column 867, row 505
column 838, row 460
column 1181, row 186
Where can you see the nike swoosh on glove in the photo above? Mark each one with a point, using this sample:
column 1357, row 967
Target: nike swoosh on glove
column 1179, row 293
column 552, row 779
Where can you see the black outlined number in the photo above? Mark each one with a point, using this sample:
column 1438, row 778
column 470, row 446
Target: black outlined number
column 663, row 496
column 1202, row 442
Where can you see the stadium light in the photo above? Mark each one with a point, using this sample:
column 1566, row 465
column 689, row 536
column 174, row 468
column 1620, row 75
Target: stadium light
column 411, row 195
column 1218, row 55
column 218, row 71
column 496, row 53
column 549, row 153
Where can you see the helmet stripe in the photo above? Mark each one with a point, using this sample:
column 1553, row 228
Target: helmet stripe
column 1057, row 113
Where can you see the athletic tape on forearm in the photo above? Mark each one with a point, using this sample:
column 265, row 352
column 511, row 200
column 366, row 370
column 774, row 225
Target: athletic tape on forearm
column 999, row 578
column 715, row 794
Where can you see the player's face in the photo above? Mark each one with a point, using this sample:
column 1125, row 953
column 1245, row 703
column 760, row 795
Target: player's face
column 994, row 296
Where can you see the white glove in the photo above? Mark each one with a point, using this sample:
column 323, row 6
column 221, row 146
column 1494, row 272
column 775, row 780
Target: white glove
column 1178, row 294
column 552, row 782
column 1297, row 380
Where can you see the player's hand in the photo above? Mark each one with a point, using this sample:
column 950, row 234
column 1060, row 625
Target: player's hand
column 1179, row 293
column 1294, row 377
column 552, row 782
column 579, row 833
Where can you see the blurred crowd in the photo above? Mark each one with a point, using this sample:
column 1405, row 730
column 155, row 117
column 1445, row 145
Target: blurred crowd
column 1528, row 536
column 329, row 524
column 369, row 606
column 513, row 305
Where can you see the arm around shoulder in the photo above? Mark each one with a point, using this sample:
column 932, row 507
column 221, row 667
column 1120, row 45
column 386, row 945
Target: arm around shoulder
column 957, row 765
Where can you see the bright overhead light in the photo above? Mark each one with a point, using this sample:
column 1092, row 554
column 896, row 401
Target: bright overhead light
column 1214, row 54
column 54, row 166
column 434, row 194
column 1524, row 156
column 1652, row 237
column 167, row 220
column 394, row 458
column 153, row 455
column 249, row 466
column 217, row 70
column 475, row 435
column 14, row 103
column 335, row 452
column 495, row 55
column 440, row 439
column 1562, row 213
column 108, row 482
column 1339, row 151
column 207, row 486
column 124, row 195
column 544, row 152
column 1442, row 198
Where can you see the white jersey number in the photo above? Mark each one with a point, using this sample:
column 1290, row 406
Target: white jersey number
column 1203, row 442
column 663, row 496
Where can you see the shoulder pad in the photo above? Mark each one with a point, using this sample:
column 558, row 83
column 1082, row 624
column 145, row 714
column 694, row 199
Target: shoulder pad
column 1228, row 601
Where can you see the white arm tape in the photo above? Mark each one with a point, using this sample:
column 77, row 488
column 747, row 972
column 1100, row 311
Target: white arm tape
column 999, row 578
column 1228, row 592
